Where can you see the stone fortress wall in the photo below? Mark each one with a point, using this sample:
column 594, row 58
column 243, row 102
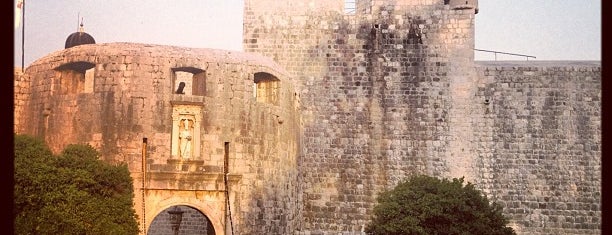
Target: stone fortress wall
column 539, row 143
column 404, row 96
column 347, row 105
column 21, row 92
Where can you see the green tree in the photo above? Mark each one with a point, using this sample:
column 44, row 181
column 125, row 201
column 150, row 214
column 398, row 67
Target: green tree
column 72, row 193
column 428, row 205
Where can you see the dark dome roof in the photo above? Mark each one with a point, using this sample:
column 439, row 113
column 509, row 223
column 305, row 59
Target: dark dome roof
column 79, row 38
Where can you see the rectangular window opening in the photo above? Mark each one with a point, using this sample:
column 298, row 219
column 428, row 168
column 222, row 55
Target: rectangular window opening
column 89, row 81
column 183, row 82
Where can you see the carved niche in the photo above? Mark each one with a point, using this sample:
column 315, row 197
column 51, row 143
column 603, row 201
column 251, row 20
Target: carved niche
column 186, row 123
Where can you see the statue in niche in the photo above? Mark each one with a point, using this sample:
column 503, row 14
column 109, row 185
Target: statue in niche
column 185, row 137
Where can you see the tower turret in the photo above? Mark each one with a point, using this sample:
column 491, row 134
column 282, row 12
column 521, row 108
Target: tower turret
column 79, row 38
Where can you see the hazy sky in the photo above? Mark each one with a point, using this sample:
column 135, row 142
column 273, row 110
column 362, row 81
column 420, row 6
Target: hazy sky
column 547, row 29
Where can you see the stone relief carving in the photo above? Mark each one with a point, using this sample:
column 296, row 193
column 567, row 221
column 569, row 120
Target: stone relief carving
column 186, row 121
column 185, row 138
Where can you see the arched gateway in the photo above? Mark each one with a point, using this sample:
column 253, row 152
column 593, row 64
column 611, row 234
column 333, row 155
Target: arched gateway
column 181, row 219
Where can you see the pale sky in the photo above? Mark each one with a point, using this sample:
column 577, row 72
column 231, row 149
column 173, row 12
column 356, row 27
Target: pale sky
column 547, row 29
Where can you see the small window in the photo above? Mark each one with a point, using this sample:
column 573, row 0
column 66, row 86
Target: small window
column 89, row 80
column 266, row 88
column 76, row 78
column 189, row 81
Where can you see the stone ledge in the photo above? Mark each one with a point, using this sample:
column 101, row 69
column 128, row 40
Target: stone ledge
column 184, row 165
column 187, row 99
column 190, row 181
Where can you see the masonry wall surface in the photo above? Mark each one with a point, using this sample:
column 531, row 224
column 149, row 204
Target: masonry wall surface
column 539, row 138
column 389, row 78
column 403, row 97
column 21, row 93
column 133, row 98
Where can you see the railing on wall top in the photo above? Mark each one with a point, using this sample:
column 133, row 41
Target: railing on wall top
column 505, row 53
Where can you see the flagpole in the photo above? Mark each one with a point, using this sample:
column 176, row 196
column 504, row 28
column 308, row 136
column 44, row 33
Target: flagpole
column 23, row 36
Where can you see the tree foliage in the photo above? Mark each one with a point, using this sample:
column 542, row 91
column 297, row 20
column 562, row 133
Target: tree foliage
column 428, row 205
column 71, row 193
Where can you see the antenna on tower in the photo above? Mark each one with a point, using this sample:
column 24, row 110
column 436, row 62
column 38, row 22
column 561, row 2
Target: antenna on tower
column 81, row 28
column 78, row 16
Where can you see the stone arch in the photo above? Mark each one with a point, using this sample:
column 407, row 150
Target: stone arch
column 211, row 208
column 192, row 221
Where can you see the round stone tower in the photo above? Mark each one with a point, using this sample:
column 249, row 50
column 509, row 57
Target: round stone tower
column 201, row 128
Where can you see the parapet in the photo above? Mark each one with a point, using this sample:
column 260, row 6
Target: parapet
column 463, row 4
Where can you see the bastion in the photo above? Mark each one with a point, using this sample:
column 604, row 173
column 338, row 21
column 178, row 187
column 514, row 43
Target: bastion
column 199, row 122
